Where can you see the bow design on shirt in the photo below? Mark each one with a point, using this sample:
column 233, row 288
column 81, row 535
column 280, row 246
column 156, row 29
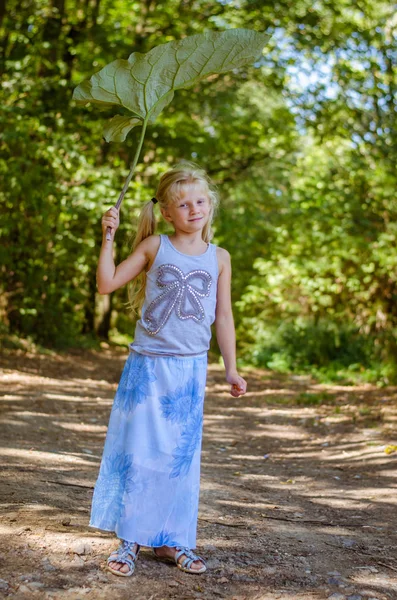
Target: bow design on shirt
column 181, row 292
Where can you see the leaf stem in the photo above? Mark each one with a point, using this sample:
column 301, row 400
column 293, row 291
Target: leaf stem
column 130, row 174
column 133, row 164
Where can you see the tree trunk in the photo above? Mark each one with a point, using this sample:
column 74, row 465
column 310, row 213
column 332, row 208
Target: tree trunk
column 104, row 325
column 2, row 10
column 89, row 309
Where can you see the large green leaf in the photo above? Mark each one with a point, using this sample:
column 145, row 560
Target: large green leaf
column 145, row 83
column 119, row 127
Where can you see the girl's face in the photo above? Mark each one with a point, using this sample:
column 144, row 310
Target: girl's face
column 191, row 211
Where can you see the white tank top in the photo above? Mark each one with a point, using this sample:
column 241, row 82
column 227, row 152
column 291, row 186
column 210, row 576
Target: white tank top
column 180, row 301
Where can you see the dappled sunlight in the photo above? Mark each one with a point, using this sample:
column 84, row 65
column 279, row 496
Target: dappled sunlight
column 214, row 418
column 54, row 458
column 29, row 414
column 13, row 422
column 81, row 427
column 244, row 457
column 388, row 473
column 259, row 505
column 276, row 465
column 354, row 499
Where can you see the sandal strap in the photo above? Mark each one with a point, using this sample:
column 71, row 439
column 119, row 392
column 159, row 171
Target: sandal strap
column 121, row 559
column 190, row 557
column 122, row 554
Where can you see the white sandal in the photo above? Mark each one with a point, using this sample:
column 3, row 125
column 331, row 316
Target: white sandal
column 186, row 564
column 122, row 555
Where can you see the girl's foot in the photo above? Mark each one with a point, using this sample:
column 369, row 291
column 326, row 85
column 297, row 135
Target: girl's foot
column 197, row 564
column 126, row 550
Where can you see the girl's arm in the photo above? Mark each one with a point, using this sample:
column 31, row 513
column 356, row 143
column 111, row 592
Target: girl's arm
column 224, row 325
column 110, row 277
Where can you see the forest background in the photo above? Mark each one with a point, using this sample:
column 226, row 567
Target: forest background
column 302, row 146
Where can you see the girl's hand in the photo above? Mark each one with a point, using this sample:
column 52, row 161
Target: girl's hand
column 239, row 385
column 110, row 219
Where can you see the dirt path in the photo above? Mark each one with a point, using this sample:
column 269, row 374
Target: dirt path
column 298, row 499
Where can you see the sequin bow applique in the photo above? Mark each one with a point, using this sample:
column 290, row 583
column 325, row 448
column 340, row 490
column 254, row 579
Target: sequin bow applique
column 181, row 292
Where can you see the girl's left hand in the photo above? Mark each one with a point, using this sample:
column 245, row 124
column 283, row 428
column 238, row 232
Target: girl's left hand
column 239, row 385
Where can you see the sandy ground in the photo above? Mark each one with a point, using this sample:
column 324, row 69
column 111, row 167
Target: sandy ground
column 298, row 495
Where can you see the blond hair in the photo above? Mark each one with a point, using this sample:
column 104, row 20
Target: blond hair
column 169, row 190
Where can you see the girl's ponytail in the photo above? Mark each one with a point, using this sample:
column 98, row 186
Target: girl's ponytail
column 146, row 226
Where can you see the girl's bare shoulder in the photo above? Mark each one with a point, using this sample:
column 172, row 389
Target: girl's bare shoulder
column 223, row 257
column 152, row 241
column 151, row 245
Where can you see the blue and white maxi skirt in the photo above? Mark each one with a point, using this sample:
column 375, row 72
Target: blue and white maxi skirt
column 147, row 489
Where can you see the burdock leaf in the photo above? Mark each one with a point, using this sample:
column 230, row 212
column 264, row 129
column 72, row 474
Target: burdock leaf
column 145, row 83
column 119, row 127
column 100, row 88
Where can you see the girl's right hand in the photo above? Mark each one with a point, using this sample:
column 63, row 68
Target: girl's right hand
column 238, row 384
column 111, row 219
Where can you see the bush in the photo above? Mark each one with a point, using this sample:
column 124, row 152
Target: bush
column 328, row 350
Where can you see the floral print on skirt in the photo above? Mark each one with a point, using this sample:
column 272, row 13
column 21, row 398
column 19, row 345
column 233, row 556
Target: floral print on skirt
column 147, row 489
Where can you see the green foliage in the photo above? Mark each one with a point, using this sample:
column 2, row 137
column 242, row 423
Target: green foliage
column 302, row 145
column 296, row 345
column 331, row 260
column 328, row 350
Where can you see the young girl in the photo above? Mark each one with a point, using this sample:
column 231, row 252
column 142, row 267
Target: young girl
column 147, row 490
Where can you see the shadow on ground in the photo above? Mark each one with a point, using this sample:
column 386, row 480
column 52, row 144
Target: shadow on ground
column 297, row 497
